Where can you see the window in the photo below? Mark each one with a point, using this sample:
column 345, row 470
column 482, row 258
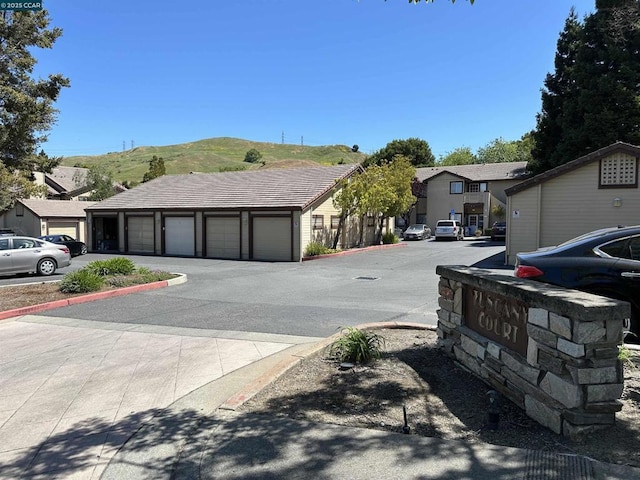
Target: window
column 477, row 187
column 619, row 171
column 455, row 188
column 4, row 244
column 19, row 210
column 335, row 222
column 318, row 222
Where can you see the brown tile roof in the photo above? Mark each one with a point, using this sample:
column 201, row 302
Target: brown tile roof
column 481, row 172
column 56, row 208
column 294, row 187
column 67, row 179
column 574, row 164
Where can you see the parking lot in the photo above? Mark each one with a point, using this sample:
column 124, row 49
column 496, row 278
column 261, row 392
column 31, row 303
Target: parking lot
column 312, row 298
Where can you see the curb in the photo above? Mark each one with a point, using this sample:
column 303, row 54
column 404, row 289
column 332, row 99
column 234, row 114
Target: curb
column 279, row 369
column 17, row 312
column 354, row 250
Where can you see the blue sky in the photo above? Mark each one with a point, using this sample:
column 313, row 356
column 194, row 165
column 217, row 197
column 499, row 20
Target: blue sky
column 154, row 72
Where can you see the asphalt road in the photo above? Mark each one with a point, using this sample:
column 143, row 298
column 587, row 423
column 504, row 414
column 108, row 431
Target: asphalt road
column 314, row 298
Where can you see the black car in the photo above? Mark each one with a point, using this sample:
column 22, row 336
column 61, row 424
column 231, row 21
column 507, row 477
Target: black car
column 499, row 231
column 75, row 247
column 605, row 262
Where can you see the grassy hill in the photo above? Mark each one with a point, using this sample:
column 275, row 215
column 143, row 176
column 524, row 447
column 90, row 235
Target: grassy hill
column 214, row 155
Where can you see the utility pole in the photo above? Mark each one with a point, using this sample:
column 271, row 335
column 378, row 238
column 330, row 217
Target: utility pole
column 123, row 146
column 283, row 137
column 301, row 140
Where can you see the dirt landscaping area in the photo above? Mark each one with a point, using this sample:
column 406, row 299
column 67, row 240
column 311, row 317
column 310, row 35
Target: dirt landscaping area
column 441, row 400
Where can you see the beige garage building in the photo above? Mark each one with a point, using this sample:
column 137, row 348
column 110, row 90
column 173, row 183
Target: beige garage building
column 269, row 215
column 595, row 191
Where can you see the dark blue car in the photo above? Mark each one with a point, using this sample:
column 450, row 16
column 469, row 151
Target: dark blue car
column 605, row 262
column 75, row 247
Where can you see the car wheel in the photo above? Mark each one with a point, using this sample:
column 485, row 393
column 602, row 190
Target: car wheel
column 46, row 267
column 83, row 250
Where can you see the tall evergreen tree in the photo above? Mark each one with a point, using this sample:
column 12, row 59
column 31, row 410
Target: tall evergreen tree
column 593, row 98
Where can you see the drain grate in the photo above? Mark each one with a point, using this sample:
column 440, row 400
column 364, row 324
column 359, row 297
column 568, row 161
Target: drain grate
column 366, row 278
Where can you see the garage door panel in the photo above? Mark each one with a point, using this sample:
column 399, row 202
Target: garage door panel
column 179, row 236
column 223, row 237
column 272, row 239
column 63, row 228
column 140, row 236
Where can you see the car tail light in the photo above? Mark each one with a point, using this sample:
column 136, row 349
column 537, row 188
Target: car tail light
column 64, row 249
column 528, row 271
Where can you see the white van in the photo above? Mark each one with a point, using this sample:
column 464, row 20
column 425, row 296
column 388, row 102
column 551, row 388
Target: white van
column 449, row 229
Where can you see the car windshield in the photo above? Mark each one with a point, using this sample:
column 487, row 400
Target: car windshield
column 416, row 227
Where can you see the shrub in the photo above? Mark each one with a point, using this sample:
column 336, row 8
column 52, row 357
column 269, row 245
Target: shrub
column 389, row 238
column 357, row 346
column 81, row 281
column 113, row 266
column 317, row 248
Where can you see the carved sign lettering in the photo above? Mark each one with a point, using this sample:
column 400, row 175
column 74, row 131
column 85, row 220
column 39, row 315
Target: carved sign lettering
column 496, row 317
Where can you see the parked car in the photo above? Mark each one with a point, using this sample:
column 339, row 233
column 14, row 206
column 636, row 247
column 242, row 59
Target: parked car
column 499, row 231
column 605, row 262
column 419, row 231
column 449, row 229
column 75, row 247
column 31, row 255
column 6, row 232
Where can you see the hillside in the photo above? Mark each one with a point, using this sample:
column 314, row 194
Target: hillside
column 214, row 155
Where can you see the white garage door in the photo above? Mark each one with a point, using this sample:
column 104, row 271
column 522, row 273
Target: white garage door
column 223, row 237
column 179, row 236
column 140, row 234
column 272, row 239
column 63, row 228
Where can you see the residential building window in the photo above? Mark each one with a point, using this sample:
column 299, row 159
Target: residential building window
column 318, row 222
column 335, row 222
column 619, row 171
column 477, row 187
column 455, row 187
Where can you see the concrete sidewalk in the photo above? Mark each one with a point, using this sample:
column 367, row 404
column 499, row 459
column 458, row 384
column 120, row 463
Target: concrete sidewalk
column 201, row 436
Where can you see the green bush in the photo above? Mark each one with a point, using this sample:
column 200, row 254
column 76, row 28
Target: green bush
column 357, row 346
column 317, row 248
column 81, row 281
column 113, row 266
column 141, row 276
column 389, row 238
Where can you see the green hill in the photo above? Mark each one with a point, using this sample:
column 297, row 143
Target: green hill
column 214, row 155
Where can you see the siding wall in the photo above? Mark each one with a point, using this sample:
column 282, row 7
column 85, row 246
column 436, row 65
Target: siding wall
column 440, row 201
column 570, row 205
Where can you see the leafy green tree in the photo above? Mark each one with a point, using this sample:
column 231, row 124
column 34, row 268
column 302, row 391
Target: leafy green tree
column 355, row 148
column 593, row 97
column 156, row 169
column 100, row 180
column 416, row 150
column 26, row 104
column 459, row 156
column 253, row 156
column 501, row 151
column 14, row 186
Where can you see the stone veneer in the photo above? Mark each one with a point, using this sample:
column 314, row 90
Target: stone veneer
column 570, row 379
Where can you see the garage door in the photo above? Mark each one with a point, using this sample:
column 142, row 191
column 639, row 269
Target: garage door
column 63, row 228
column 272, row 239
column 140, row 234
column 223, row 237
column 179, row 236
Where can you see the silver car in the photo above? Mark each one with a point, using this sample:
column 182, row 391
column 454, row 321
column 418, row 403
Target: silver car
column 31, row 255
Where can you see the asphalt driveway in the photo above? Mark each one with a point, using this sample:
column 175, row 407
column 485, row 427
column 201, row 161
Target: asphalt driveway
column 313, row 298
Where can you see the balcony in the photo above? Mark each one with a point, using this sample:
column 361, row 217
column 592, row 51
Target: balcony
column 477, row 197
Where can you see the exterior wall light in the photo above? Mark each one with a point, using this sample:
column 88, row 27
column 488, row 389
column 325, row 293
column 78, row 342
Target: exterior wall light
column 617, row 202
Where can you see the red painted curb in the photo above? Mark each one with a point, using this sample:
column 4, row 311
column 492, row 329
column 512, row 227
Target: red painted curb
column 17, row 312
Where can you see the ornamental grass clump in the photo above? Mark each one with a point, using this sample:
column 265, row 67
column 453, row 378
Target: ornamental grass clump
column 81, row 281
column 317, row 248
column 112, row 266
column 357, row 346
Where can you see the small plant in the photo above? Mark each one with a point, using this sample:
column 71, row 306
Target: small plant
column 317, row 248
column 113, row 266
column 389, row 238
column 357, row 346
column 81, row 281
column 624, row 355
